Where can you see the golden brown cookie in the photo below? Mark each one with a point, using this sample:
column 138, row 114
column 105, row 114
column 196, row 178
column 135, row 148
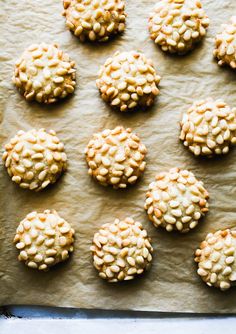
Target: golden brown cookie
column 44, row 239
column 35, row 159
column 225, row 44
column 178, row 25
column 128, row 80
column 216, row 259
column 95, row 20
column 116, row 157
column 209, row 127
column 121, row 250
column 176, row 200
column 45, row 74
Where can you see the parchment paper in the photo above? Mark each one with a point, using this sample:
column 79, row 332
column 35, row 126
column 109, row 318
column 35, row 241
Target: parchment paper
column 172, row 284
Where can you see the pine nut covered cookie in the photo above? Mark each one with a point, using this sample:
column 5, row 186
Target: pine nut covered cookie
column 116, row 157
column 225, row 44
column 177, row 25
column 45, row 74
column 121, row 250
column 209, row 127
column 95, row 20
column 176, row 200
column 43, row 240
column 35, row 159
column 128, row 80
column 216, row 259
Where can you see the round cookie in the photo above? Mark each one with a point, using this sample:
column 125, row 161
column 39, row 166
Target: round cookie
column 176, row 200
column 177, row 25
column 209, row 127
column 216, row 259
column 225, row 44
column 121, row 250
column 128, row 80
column 35, row 159
column 45, row 74
column 95, row 20
column 116, row 157
column 44, row 239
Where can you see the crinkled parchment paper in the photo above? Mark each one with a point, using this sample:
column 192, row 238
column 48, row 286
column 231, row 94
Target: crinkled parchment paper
column 172, row 284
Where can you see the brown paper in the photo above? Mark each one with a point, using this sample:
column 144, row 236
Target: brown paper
column 172, row 284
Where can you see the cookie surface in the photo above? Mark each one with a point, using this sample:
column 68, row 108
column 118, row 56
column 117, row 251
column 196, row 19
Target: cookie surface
column 43, row 240
column 35, row 159
column 176, row 200
column 121, row 250
column 209, row 127
column 116, row 157
column 216, row 259
column 45, row 74
column 95, row 20
column 128, row 80
column 225, row 44
column 177, row 25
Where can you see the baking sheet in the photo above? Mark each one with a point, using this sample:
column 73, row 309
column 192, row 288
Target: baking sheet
column 172, row 284
column 117, row 326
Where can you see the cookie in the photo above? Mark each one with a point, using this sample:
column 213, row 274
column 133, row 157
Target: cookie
column 44, row 74
column 121, row 250
column 128, row 80
column 209, row 127
column 116, row 157
column 178, row 25
column 95, row 20
column 216, row 259
column 35, row 159
column 225, row 44
column 43, row 240
column 176, row 200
